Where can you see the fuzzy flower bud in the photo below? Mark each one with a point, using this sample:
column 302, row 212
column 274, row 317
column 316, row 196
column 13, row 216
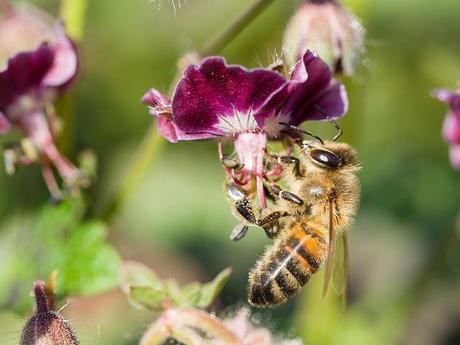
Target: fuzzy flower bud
column 328, row 29
column 46, row 326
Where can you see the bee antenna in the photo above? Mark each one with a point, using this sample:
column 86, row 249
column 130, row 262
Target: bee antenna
column 301, row 130
column 333, row 122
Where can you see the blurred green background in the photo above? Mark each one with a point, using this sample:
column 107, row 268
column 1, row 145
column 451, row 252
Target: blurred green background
column 405, row 262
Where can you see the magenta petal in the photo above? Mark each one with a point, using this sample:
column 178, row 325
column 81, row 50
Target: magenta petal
column 158, row 103
column 4, row 124
column 454, row 154
column 312, row 94
column 167, row 128
column 451, row 98
column 317, row 95
column 65, row 63
column 210, row 98
column 25, row 71
column 451, row 128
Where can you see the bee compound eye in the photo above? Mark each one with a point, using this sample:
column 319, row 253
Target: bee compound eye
column 326, row 158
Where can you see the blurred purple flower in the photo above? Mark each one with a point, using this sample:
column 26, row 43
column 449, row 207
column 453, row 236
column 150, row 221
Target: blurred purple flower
column 36, row 62
column 327, row 28
column 214, row 99
column 451, row 126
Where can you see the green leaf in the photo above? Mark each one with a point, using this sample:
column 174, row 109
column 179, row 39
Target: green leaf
column 211, row 290
column 191, row 293
column 137, row 274
column 90, row 265
column 147, row 297
column 32, row 246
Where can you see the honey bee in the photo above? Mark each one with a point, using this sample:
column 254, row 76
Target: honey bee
column 308, row 223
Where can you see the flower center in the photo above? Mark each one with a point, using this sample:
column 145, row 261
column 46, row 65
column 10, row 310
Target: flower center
column 250, row 148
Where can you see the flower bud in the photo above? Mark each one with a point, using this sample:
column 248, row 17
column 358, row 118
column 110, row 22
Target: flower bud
column 328, row 29
column 46, row 326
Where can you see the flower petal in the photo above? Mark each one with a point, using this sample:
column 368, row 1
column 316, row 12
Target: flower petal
column 157, row 102
column 65, row 63
column 217, row 99
column 25, row 71
column 160, row 107
column 451, row 129
column 454, row 154
column 4, row 124
column 317, row 95
column 452, row 98
column 312, row 94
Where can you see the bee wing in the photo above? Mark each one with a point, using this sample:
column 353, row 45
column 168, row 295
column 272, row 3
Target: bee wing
column 337, row 260
column 340, row 267
column 330, row 253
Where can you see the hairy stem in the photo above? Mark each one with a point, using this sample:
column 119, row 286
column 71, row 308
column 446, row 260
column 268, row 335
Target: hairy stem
column 235, row 28
column 203, row 321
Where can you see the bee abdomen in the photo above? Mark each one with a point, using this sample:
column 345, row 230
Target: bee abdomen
column 285, row 268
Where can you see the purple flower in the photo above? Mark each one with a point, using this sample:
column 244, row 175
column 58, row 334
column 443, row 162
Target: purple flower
column 214, row 99
column 325, row 27
column 451, row 126
column 37, row 61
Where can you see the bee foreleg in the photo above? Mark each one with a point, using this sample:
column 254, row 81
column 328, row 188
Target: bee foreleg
column 288, row 160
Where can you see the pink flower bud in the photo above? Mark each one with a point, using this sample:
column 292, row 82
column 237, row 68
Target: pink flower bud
column 328, row 29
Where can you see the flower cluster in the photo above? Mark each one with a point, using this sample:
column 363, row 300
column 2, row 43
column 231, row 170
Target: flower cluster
column 217, row 100
column 451, row 127
column 37, row 62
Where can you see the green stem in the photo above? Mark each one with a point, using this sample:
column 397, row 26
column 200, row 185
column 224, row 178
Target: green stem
column 235, row 28
column 73, row 12
column 152, row 143
column 144, row 157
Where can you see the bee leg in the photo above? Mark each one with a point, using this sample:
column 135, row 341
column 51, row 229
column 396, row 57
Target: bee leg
column 241, row 203
column 284, row 194
column 288, row 160
column 239, row 231
column 245, row 210
column 270, row 223
column 231, row 162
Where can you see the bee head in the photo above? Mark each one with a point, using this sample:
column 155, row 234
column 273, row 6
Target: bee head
column 331, row 155
column 325, row 154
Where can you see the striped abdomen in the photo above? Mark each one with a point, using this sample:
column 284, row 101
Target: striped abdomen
column 288, row 265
